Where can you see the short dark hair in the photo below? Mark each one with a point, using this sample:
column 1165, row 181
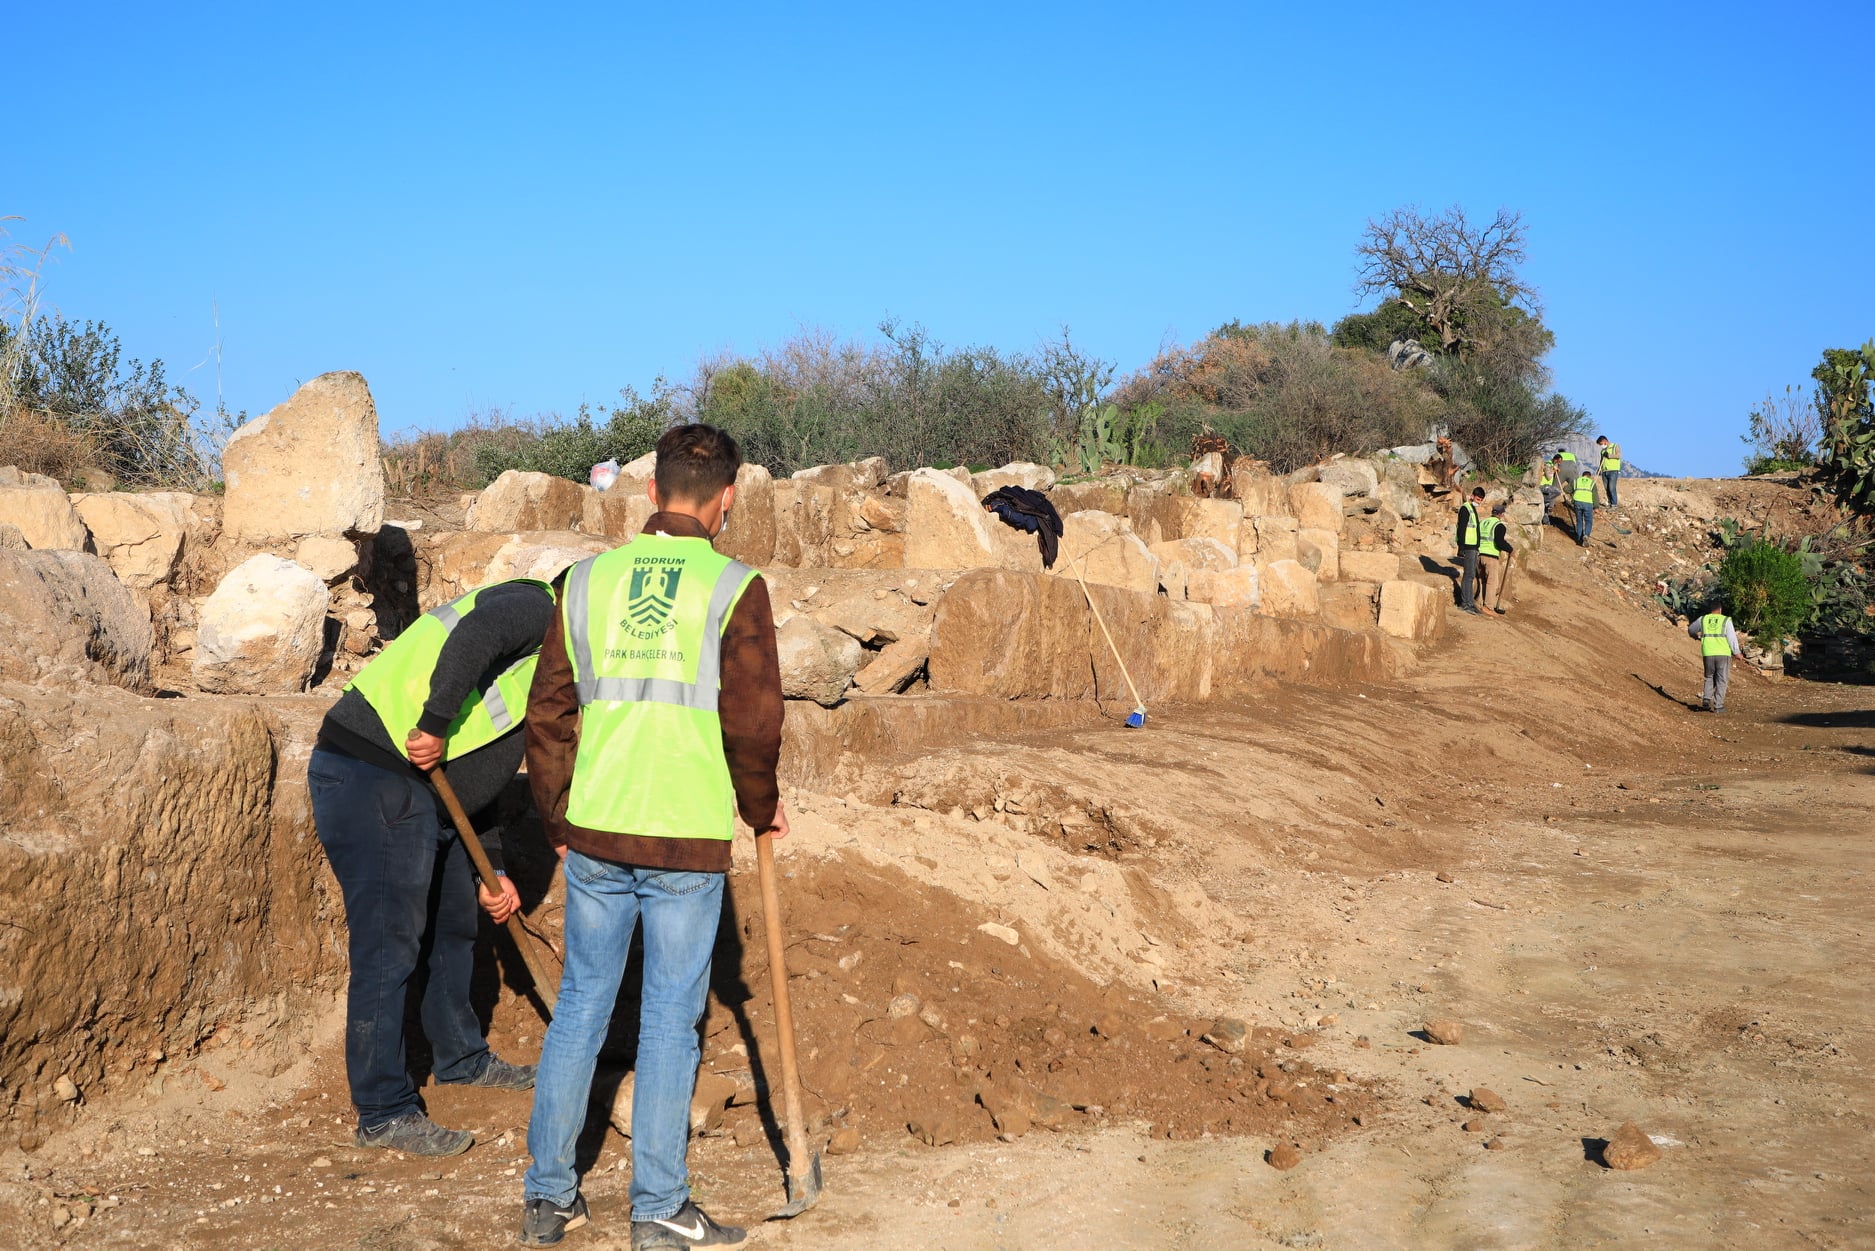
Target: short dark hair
column 695, row 462
column 1477, row 493
column 1601, row 438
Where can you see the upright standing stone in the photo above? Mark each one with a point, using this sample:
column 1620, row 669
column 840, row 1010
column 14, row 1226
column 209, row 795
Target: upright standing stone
column 311, row 466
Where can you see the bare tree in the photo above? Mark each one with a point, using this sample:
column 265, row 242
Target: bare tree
column 1460, row 279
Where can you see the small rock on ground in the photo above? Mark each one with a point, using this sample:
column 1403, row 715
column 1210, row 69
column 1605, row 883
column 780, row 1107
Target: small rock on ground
column 1628, row 1148
column 1284, row 1156
column 1445, row 1033
column 1484, row 1099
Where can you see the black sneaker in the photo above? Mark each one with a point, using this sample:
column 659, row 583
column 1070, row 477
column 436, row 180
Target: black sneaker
column 498, row 1074
column 544, row 1222
column 689, row 1226
column 416, row 1134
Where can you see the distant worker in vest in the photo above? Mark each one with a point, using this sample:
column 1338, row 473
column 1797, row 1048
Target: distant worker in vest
column 1494, row 553
column 1610, row 466
column 1470, row 523
column 1549, row 478
column 1583, row 497
column 451, row 689
column 1718, row 643
column 654, row 719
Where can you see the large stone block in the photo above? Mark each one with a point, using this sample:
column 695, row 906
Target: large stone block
column 1213, row 519
column 39, row 509
column 1288, row 590
column 1350, row 605
column 1020, row 473
column 1012, row 636
column 805, row 513
column 139, row 535
column 1102, row 548
column 749, row 532
column 860, row 475
column 1107, row 495
column 262, row 630
column 67, row 618
column 1351, row 476
column 523, row 500
column 946, row 528
column 310, row 466
column 1319, row 551
column 1317, row 505
column 1261, row 493
column 1369, row 566
column 1197, row 553
column 1413, row 610
column 1275, row 539
column 1235, row 587
column 621, row 512
column 817, row 661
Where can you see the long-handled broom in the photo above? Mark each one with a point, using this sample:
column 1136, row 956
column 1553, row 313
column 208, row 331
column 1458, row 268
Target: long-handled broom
column 1136, row 718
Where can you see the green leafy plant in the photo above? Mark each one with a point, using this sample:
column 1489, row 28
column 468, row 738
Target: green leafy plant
column 1765, row 588
column 1847, row 460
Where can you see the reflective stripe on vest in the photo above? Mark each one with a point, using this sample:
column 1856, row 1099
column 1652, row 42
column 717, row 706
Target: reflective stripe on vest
column 1611, row 458
column 644, row 625
column 1487, row 537
column 1712, row 635
column 1471, row 524
column 1585, row 489
column 397, row 681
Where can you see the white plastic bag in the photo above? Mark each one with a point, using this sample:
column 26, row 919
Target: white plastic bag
column 603, row 475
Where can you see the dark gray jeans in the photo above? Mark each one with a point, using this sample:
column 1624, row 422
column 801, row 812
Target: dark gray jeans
column 1468, row 583
column 1718, row 677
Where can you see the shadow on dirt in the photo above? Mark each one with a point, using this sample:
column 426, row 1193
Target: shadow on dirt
column 1863, row 719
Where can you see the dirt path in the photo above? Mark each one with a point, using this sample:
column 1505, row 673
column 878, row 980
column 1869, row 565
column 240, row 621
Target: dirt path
column 1652, row 916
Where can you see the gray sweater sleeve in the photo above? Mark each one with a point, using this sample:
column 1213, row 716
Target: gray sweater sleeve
column 506, row 624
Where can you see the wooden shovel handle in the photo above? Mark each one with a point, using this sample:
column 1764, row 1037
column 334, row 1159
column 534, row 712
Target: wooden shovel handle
column 543, row 987
column 799, row 1159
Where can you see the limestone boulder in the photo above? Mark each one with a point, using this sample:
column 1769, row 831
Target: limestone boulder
column 68, row 618
column 817, row 661
column 1400, row 499
column 328, row 556
column 895, row 666
column 1106, row 495
column 1317, row 505
column 11, row 540
column 859, row 475
column 310, row 466
column 1375, row 567
column 1020, row 473
column 621, row 512
column 947, row 528
column 1102, row 548
column 1213, row 519
column 1288, row 590
column 1319, row 551
column 1412, row 610
column 1236, row 587
column 1275, row 539
column 1350, row 605
column 1261, row 492
column 523, row 500
column 882, row 513
column 749, row 533
column 1197, row 553
column 262, row 630
column 805, row 520
column 1351, row 476
column 39, row 509
column 540, row 555
column 140, row 535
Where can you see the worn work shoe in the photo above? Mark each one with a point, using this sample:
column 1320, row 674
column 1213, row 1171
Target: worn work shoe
column 498, row 1074
column 688, row 1226
column 416, row 1134
column 544, row 1222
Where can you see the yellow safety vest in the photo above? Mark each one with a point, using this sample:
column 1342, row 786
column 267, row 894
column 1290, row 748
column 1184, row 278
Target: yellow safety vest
column 1611, row 458
column 644, row 631
column 1585, row 489
column 1712, row 635
column 1549, row 474
column 1471, row 524
column 397, row 682
column 1487, row 536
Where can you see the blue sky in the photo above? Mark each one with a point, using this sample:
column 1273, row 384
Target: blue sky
column 531, row 206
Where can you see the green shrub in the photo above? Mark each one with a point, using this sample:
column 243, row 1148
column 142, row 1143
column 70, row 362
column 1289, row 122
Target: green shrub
column 1765, row 588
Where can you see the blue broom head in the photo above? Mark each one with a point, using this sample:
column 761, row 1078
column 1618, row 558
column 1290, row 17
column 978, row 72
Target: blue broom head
column 1136, row 718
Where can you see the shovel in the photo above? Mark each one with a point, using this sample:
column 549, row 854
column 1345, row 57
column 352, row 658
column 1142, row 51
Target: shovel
column 486, row 871
column 803, row 1172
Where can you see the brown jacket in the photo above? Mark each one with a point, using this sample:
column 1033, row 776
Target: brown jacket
column 751, row 713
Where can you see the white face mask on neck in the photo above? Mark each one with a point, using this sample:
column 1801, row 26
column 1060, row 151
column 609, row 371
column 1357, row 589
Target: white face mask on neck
column 723, row 527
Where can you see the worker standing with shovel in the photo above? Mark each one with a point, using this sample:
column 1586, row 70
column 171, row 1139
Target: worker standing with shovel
column 450, row 688
column 655, row 717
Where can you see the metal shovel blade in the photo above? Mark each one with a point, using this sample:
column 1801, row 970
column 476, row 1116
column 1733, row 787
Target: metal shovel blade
column 803, row 1192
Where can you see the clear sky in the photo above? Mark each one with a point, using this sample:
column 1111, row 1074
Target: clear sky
column 533, row 205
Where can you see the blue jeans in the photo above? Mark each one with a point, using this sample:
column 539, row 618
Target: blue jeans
column 604, row 902
column 406, row 879
column 1585, row 521
column 1609, row 478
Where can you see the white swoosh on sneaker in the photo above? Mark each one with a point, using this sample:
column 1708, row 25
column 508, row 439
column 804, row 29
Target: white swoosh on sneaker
column 692, row 1231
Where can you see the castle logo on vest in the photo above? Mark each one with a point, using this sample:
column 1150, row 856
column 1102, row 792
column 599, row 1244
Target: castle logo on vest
column 652, row 597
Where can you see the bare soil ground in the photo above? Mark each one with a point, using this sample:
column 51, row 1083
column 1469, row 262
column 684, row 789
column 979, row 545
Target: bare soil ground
column 1637, row 912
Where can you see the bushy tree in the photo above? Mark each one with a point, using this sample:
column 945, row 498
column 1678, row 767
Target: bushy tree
column 1765, row 588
